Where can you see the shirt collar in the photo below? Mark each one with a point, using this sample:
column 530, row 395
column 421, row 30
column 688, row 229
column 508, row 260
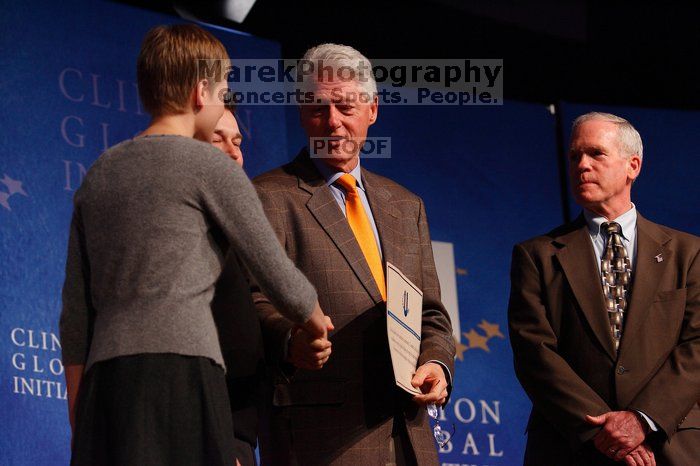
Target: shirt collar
column 331, row 174
column 627, row 221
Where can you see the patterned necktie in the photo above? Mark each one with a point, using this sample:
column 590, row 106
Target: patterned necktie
column 361, row 227
column 616, row 273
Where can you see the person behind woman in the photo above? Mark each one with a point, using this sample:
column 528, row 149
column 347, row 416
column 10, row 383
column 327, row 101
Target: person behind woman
column 239, row 332
column 144, row 370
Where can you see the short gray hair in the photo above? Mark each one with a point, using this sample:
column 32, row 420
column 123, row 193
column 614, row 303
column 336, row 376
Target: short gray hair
column 340, row 56
column 628, row 137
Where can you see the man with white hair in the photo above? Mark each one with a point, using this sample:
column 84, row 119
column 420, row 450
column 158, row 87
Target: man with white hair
column 340, row 224
column 604, row 319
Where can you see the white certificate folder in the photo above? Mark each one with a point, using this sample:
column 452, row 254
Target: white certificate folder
column 404, row 312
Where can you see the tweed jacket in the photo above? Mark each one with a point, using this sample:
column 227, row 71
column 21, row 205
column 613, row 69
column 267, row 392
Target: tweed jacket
column 564, row 352
column 343, row 413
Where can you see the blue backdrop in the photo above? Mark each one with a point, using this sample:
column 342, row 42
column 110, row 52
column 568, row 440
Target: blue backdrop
column 488, row 176
column 67, row 92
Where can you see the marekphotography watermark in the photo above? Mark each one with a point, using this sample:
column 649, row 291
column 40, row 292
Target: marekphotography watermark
column 396, row 81
column 366, row 148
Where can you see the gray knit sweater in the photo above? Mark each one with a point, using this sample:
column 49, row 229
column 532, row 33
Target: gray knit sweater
column 144, row 254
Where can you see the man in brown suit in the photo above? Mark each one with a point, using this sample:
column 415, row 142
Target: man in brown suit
column 609, row 381
column 350, row 412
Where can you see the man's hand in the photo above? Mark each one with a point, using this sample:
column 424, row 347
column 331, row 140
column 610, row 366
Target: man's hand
column 307, row 351
column 640, row 456
column 622, row 432
column 430, row 379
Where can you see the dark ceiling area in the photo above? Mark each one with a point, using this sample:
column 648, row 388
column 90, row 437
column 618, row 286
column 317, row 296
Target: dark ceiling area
column 619, row 53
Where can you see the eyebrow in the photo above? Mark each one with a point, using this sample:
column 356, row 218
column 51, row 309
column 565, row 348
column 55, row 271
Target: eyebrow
column 587, row 148
column 238, row 136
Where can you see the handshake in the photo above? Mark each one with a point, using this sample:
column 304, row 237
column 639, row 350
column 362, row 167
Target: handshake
column 309, row 347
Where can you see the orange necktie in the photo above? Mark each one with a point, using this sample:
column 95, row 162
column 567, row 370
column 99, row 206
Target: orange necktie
column 359, row 224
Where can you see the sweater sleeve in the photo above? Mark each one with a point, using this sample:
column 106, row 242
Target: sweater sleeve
column 229, row 197
column 77, row 311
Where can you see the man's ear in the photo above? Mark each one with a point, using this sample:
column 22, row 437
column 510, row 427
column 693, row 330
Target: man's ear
column 300, row 109
column 374, row 110
column 634, row 167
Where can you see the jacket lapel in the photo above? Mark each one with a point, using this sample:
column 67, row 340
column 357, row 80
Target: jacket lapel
column 325, row 210
column 651, row 244
column 577, row 258
column 386, row 217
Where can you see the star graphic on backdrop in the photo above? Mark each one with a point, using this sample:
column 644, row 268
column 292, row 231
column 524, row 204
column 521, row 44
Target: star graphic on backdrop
column 460, row 349
column 492, row 330
column 13, row 186
column 3, row 200
column 477, row 341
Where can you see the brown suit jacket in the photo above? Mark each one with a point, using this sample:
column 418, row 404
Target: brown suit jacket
column 564, row 351
column 343, row 414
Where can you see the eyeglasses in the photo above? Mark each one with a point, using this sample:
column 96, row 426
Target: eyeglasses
column 442, row 437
